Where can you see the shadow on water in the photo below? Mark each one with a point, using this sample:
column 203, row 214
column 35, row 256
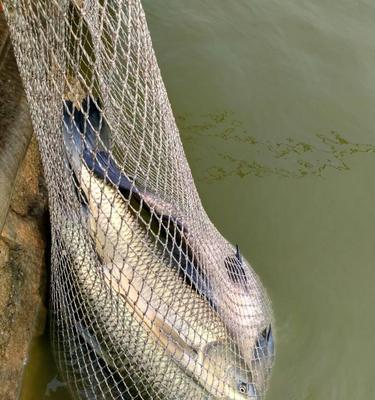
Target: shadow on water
column 288, row 157
column 41, row 380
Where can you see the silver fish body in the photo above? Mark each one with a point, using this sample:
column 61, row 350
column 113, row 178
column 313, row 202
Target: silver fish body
column 182, row 323
column 108, row 328
column 206, row 345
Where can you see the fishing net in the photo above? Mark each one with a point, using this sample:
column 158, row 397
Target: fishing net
column 148, row 300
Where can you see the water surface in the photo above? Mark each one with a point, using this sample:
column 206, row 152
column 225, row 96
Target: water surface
column 275, row 101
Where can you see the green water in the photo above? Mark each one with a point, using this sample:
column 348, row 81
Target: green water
column 275, row 100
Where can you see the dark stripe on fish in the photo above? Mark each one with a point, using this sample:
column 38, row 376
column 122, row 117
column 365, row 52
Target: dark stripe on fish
column 83, row 127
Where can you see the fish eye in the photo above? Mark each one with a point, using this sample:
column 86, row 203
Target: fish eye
column 242, row 388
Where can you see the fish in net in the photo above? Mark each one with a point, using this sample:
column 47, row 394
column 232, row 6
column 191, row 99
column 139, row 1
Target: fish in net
column 148, row 300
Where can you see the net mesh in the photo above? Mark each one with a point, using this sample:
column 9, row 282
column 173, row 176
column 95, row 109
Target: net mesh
column 148, row 300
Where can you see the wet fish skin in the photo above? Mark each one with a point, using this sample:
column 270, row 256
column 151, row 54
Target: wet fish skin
column 181, row 321
column 241, row 301
column 135, row 268
column 108, row 328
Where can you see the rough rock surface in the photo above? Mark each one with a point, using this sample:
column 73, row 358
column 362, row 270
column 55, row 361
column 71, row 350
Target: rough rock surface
column 15, row 124
column 23, row 205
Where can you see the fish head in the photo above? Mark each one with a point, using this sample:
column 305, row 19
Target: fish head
column 249, row 319
column 234, row 380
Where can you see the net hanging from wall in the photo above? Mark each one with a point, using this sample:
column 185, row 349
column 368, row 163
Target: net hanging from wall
column 148, row 300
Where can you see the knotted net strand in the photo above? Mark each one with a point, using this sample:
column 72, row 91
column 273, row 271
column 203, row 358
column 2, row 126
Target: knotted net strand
column 148, row 300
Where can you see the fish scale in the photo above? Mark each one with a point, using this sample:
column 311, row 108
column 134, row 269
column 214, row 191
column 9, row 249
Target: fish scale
column 128, row 319
column 113, row 322
column 137, row 270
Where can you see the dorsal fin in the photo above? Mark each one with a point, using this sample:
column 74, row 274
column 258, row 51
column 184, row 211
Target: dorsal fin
column 238, row 254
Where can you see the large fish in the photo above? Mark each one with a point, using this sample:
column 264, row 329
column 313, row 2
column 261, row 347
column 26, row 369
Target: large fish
column 213, row 267
column 104, row 350
column 149, row 314
column 216, row 268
